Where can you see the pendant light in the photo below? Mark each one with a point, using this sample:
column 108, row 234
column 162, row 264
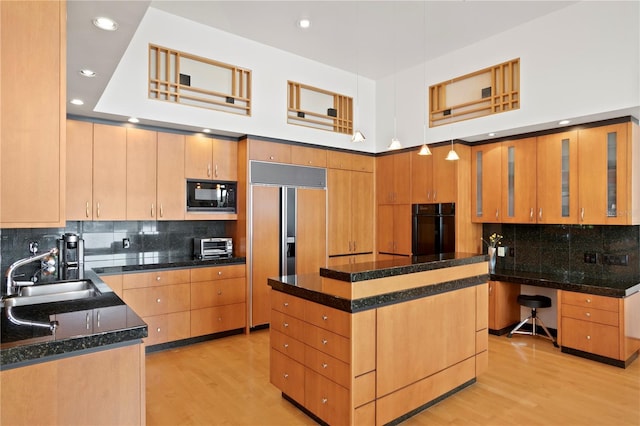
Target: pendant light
column 357, row 136
column 424, row 149
column 395, row 143
column 452, row 155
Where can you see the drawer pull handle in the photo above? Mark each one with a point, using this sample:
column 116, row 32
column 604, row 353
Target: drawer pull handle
column 88, row 321
column 588, row 300
column 285, row 304
column 158, row 278
column 325, row 341
column 588, row 314
column 271, row 157
column 219, row 273
column 588, row 337
column 285, row 375
column 285, row 325
column 220, row 319
column 158, row 300
column 325, row 400
column 325, row 365
column 219, row 292
column 324, row 317
column 158, row 329
column 286, row 345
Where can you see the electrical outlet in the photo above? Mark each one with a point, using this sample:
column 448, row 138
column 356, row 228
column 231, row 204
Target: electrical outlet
column 512, row 251
column 126, row 243
column 591, row 258
column 501, row 251
column 613, row 259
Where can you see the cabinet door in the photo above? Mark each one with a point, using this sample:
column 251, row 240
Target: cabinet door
column 109, row 172
column 421, row 179
column 142, row 155
column 444, row 177
column 384, row 179
column 385, row 229
column 265, row 255
column 361, row 212
column 339, row 187
column 269, row 151
column 197, row 157
column 171, row 182
column 402, row 178
column 504, row 310
column 519, row 181
column 224, row 160
column 557, row 178
column 32, row 77
column 402, row 229
column 311, row 232
column 306, row 156
column 603, row 175
column 486, row 165
column 79, row 170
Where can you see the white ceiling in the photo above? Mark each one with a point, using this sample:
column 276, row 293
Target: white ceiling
column 371, row 38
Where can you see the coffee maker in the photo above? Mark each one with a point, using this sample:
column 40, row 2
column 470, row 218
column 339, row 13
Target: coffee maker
column 71, row 257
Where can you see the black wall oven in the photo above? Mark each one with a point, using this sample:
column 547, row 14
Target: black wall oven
column 433, row 229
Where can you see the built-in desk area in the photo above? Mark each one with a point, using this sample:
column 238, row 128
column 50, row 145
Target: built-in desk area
column 597, row 317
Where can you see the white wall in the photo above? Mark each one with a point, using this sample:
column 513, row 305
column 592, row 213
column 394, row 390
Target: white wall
column 582, row 60
column 126, row 93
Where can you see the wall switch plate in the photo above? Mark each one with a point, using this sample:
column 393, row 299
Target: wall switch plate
column 512, row 251
column 126, row 243
column 591, row 258
column 502, row 251
column 615, row 259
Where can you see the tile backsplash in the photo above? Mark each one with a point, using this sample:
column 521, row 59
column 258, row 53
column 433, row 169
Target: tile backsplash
column 104, row 239
column 561, row 248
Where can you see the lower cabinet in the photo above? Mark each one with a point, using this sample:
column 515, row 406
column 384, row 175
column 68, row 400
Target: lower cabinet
column 183, row 303
column 504, row 310
column 599, row 325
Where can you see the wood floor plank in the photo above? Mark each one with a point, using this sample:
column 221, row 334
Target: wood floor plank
column 529, row 382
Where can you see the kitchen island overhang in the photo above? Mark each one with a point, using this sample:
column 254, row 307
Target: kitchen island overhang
column 412, row 331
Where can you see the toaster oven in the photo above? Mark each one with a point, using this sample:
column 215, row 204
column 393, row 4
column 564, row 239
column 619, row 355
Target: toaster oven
column 212, row 248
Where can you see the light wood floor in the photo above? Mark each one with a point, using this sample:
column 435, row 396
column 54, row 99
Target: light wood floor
column 529, row 382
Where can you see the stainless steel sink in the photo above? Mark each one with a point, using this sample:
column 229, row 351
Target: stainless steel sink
column 57, row 292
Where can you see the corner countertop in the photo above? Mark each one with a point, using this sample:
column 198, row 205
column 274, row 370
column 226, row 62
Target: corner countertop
column 22, row 345
column 609, row 285
column 311, row 286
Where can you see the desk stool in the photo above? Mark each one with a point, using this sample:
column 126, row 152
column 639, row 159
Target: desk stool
column 533, row 302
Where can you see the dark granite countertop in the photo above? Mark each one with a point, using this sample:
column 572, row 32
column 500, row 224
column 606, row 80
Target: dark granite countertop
column 22, row 345
column 605, row 285
column 310, row 286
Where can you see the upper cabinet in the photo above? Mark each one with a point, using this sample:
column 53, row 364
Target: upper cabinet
column 32, row 134
column 308, row 156
column 171, row 187
column 109, row 172
column 210, row 158
column 393, row 178
column 269, row 151
column 142, row 149
column 433, row 179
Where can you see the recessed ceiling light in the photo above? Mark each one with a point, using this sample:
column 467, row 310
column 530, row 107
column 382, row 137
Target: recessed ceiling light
column 77, row 101
column 492, row 134
column 133, row 120
column 87, row 73
column 104, row 23
column 206, row 130
column 563, row 122
column 304, row 23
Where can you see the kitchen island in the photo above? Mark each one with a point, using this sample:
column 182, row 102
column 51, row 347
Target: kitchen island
column 374, row 343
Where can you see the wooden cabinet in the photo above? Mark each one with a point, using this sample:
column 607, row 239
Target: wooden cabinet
column 394, row 229
column 486, row 182
column 103, row 387
column 433, row 179
column 269, row 151
column 315, row 361
column 393, row 179
column 32, row 135
column 171, row 186
column 141, row 172
column 311, row 232
column 210, row 158
column 218, row 299
column 504, row 310
column 348, row 161
column 350, row 212
column 109, row 172
column 79, row 172
column 307, row 156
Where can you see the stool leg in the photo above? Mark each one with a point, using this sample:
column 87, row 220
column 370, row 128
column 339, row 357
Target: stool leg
column 548, row 335
column 517, row 327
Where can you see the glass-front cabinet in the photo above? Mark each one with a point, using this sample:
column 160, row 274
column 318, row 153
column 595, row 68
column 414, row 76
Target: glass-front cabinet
column 486, row 178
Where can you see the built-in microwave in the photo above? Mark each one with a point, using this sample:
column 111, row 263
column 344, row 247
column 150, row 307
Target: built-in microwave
column 211, row 196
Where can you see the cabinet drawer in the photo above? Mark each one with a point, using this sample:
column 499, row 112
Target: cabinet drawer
column 326, row 399
column 288, row 304
column 590, row 314
column 159, row 278
column 591, row 337
column 167, row 328
column 288, row 325
column 325, row 341
column 328, row 318
column 217, row 319
column 364, row 389
column 287, row 375
column 287, row 345
column 590, row 301
column 217, row 273
column 158, row 300
column 328, row 366
column 269, row 151
column 306, row 156
column 205, row 294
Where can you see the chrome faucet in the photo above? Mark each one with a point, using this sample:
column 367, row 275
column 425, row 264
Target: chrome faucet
column 12, row 284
